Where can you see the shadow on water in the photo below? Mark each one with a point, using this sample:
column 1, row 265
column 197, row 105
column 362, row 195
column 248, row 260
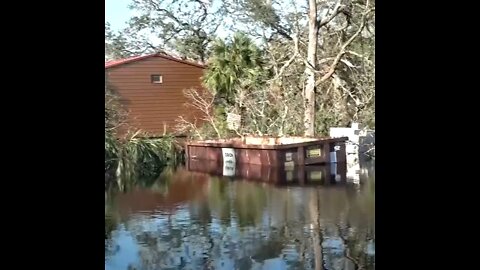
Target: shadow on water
column 191, row 220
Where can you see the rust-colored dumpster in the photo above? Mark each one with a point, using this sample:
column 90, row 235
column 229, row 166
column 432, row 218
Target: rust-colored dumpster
column 283, row 152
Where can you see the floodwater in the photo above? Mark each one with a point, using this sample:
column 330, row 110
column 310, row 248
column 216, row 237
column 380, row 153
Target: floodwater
column 191, row 220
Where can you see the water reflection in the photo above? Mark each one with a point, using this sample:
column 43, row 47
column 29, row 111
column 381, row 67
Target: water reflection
column 304, row 175
column 191, row 220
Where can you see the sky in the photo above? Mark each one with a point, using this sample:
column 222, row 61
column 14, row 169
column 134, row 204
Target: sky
column 117, row 13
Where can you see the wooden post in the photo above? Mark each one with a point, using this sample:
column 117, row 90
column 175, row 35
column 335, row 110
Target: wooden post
column 301, row 156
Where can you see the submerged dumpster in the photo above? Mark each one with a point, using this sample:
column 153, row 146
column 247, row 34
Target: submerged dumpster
column 282, row 152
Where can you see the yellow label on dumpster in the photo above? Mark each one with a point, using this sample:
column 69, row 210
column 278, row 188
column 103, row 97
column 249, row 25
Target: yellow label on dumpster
column 314, row 153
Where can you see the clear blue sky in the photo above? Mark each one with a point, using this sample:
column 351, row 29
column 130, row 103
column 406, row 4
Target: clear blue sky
column 117, row 13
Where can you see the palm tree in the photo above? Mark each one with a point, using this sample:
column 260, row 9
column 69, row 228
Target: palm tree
column 234, row 65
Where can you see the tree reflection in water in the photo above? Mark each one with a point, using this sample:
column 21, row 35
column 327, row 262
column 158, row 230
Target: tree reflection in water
column 187, row 220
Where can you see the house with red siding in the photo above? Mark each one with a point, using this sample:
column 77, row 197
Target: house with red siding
column 151, row 88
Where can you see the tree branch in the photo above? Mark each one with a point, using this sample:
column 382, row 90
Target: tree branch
column 203, row 102
column 360, row 56
column 337, row 59
column 204, row 10
column 295, row 54
column 338, row 8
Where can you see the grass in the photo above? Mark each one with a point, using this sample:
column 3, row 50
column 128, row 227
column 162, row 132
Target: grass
column 138, row 157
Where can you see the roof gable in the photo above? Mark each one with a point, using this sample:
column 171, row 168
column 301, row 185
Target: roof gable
column 119, row 62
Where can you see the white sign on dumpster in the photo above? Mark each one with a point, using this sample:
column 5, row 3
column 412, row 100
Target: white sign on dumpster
column 228, row 161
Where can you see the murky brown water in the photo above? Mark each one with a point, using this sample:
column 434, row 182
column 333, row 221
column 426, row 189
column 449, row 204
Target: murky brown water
column 190, row 220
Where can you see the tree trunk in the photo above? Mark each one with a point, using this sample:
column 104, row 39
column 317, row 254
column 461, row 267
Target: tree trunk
column 309, row 92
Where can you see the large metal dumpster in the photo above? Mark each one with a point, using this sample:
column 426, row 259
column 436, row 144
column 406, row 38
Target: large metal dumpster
column 284, row 152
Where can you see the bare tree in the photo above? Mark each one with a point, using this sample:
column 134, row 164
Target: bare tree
column 203, row 102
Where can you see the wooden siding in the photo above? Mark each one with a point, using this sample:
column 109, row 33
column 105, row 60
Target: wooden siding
column 154, row 107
